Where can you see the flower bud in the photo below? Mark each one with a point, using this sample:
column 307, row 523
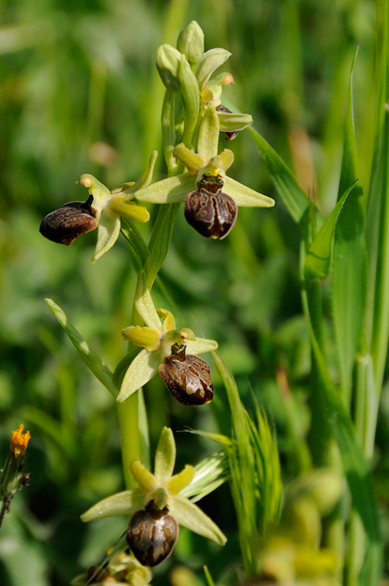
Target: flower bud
column 212, row 214
column 69, row 222
column 191, row 42
column 152, row 535
column 187, row 377
column 168, row 64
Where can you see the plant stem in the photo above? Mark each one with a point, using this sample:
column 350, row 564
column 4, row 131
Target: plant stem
column 129, row 436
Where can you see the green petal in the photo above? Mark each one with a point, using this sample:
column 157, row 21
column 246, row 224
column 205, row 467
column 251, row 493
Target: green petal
column 141, row 370
column 246, row 197
column 199, row 345
column 170, row 190
column 190, row 516
column 121, row 205
column 179, row 481
column 121, row 503
column 147, row 481
column 146, row 337
column 107, row 234
column 165, row 456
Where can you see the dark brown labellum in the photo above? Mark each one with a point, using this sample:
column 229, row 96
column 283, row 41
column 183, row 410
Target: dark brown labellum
column 187, row 377
column 228, row 135
column 213, row 215
column 152, row 535
column 69, row 222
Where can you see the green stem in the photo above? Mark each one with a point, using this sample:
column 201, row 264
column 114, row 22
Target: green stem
column 366, row 410
column 128, row 412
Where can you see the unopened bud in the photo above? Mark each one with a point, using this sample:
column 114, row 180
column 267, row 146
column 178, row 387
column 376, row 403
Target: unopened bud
column 168, row 64
column 191, row 42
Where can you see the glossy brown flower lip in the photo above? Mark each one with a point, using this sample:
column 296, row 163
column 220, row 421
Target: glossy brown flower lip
column 187, row 377
column 152, row 534
column 69, row 222
column 212, row 215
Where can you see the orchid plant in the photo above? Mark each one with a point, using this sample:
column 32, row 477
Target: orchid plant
column 156, row 504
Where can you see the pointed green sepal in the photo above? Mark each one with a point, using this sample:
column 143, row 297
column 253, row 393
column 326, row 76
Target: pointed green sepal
column 107, row 234
column 200, row 345
column 190, row 516
column 165, row 456
column 144, row 303
column 209, row 62
column 209, row 134
column 122, row 503
column 142, row 369
column 246, row 197
column 231, row 122
column 170, row 190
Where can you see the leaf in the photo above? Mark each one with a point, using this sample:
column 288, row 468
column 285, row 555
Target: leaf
column 355, row 466
column 295, row 199
column 349, row 281
column 377, row 239
column 91, row 359
column 318, row 257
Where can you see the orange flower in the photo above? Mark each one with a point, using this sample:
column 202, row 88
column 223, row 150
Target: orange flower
column 19, row 441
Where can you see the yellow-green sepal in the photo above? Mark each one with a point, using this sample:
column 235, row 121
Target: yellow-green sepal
column 122, row 503
column 165, row 456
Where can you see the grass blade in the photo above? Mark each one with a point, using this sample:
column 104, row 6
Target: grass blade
column 355, row 466
column 377, row 239
column 295, row 199
column 349, row 283
column 318, row 258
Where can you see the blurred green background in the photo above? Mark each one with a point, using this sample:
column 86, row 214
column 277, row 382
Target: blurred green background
column 79, row 93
